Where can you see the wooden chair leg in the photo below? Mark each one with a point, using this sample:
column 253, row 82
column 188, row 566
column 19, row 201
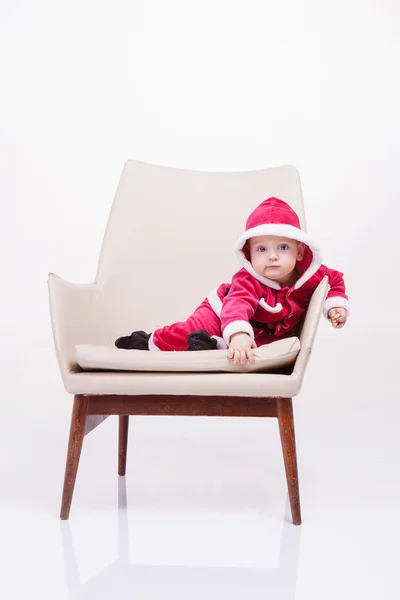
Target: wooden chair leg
column 122, row 443
column 76, row 435
column 286, row 428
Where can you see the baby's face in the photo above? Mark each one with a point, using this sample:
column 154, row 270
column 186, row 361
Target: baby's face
column 275, row 257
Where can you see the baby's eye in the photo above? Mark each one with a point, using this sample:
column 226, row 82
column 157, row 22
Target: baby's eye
column 261, row 249
column 283, row 247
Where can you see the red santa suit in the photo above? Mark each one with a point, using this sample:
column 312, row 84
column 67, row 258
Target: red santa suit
column 252, row 303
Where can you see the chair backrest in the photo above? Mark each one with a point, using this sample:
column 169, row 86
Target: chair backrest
column 170, row 237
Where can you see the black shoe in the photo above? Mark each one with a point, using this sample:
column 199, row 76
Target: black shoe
column 138, row 340
column 201, row 340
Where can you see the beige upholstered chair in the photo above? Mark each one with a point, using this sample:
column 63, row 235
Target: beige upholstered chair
column 168, row 242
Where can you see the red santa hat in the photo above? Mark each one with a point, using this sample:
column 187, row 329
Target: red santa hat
column 276, row 217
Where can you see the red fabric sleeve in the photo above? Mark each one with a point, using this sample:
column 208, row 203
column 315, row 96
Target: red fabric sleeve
column 240, row 305
column 337, row 296
column 336, row 282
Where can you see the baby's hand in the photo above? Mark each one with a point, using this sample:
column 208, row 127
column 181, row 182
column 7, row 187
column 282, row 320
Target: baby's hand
column 338, row 317
column 240, row 348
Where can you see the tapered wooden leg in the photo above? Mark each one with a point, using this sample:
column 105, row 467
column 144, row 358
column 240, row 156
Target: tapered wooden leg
column 76, row 435
column 122, row 443
column 286, row 428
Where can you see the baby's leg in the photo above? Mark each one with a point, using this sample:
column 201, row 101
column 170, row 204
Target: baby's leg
column 175, row 337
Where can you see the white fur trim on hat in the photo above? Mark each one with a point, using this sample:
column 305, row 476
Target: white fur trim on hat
column 268, row 308
column 215, row 302
column 335, row 302
column 237, row 327
column 280, row 230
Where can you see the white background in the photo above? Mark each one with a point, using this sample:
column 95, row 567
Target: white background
column 221, row 86
column 207, row 85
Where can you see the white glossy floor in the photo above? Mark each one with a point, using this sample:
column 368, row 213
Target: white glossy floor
column 202, row 512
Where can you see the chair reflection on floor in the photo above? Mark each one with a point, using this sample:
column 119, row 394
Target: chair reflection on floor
column 138, row 582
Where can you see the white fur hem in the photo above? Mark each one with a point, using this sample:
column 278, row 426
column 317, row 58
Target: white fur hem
column 215, row 302
column 152, row 345
column 268, row 308
column 221, row 344
column 335, row 302
column 237, row 327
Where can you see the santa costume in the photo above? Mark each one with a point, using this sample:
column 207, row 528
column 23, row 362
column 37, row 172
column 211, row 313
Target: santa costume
column 252, row 303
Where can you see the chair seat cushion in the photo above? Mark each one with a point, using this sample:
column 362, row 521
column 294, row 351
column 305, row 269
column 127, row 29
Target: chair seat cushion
column 268, row 358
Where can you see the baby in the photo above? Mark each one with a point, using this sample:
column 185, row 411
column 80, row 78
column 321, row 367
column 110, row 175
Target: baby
column 265, row 301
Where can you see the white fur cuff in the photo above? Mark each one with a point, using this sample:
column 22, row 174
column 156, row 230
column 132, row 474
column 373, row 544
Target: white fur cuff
column 237, row 327
column 221, row 344
column 335, row 302
column 152, row 345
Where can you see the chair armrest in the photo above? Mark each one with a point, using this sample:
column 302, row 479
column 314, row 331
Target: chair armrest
column 77, row 317
column 310, row 326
